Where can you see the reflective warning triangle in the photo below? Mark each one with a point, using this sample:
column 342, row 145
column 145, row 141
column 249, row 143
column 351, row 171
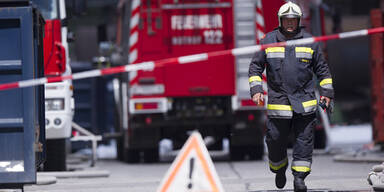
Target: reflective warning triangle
column 192, row 170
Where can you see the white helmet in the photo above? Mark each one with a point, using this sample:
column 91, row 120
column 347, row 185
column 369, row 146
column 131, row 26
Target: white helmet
column 290, row 10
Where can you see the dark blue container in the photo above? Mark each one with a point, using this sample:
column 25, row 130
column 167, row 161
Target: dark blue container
column 21, row 110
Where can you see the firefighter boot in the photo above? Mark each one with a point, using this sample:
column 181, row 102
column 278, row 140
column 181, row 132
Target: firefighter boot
column 299, row 184
column 280, row 179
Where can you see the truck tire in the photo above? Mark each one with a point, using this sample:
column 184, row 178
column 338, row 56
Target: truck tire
column 151, row 155
column 240, row 153
column 217, row 145
column 320, row 139
column 237, row 153
column 55, row 155
column 120, row 149
column 132, row 155
column 256, row 152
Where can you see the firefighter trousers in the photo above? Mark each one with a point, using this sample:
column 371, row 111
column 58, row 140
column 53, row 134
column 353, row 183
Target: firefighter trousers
column 278, row 131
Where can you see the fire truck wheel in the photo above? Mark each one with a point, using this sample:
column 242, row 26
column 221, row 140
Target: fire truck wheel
column 119, row 140
column 55, row 155
column 151, row 155
column 120, row 149
column 217, row 145
column 237, row 153
column 256, row 152
column 320, row 139
column 132, row 156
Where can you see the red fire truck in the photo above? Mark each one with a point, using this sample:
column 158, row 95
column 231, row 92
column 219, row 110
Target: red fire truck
column 59, row 102
column 209, row 96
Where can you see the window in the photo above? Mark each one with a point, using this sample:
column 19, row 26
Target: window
column 48, row 8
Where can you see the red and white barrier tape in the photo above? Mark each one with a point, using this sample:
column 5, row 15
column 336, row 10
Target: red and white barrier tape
column 185, row 59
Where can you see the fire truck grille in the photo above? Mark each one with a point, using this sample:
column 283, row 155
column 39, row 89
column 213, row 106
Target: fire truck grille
column 200, row 107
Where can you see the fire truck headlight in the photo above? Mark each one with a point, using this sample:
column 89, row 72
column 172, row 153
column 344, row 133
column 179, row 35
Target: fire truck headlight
column 54, row 104
column 46, row 122
column 57, row 121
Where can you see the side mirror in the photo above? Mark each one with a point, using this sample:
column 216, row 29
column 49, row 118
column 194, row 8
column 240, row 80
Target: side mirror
column 71, row 37
column 109, row 55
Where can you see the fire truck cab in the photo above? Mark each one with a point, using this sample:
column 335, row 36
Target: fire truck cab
column 59, row 101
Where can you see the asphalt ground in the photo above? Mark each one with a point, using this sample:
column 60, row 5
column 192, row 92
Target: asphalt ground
column 241, row 176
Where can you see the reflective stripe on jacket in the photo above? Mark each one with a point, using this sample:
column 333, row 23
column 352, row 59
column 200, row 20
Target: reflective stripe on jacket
column 290, row 75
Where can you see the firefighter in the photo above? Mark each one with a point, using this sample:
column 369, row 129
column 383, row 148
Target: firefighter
column 291, row 94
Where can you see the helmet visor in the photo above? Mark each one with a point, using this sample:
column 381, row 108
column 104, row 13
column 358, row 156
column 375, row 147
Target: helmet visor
column 290, row 16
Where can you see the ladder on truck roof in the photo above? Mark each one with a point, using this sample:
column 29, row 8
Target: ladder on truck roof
column 245, row 29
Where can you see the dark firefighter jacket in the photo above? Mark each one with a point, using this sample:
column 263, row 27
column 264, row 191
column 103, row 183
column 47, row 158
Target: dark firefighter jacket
column 290, row 79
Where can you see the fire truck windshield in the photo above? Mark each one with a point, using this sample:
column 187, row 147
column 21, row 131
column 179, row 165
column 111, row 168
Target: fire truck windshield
column 49, row 9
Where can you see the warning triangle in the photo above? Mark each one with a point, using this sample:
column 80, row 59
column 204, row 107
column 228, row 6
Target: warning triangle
column 192, row 170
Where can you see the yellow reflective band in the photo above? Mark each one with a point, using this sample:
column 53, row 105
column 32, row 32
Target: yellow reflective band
column 301, row 169
column 279, row 166
column 275, row 49
column 279, row 107
column 309, row 103
column 254, row 78
column 326, row 81
column 304, row 49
